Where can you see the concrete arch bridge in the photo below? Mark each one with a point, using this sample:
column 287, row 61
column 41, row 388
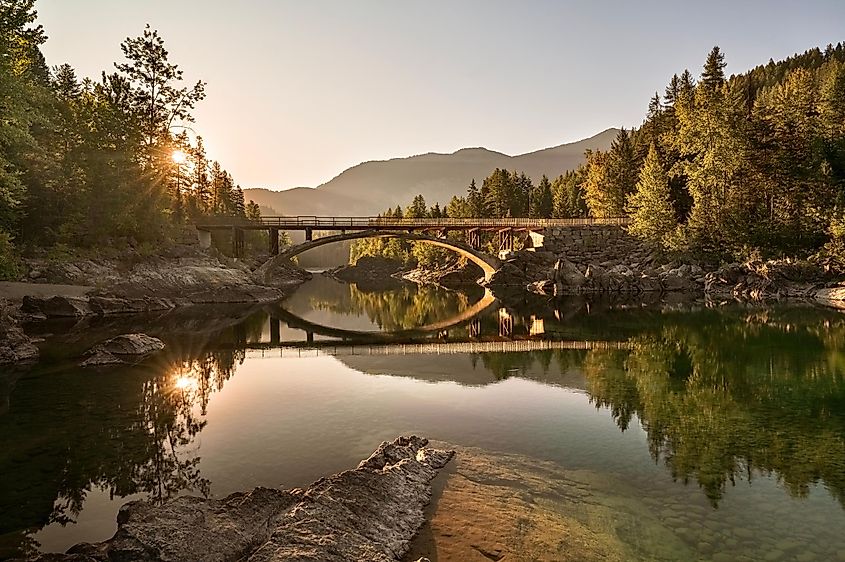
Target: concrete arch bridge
column 426, row 230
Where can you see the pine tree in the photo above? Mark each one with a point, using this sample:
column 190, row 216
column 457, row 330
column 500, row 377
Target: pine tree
column 252, row 211
column 541, row 201
column 713, row 76
column 238, row 205
column 417, row 209
column 650, row 206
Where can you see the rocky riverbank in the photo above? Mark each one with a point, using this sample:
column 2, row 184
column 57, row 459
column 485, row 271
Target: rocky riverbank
column 160, row 283
column 546, row 273
column 369, row 513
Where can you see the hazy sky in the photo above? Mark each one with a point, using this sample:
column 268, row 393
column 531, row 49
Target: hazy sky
column 300, row 90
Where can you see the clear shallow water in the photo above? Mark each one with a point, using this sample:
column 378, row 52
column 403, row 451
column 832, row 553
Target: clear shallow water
column 725, row 427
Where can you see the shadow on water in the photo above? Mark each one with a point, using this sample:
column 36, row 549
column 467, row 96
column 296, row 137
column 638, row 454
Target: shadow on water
column 723, row 394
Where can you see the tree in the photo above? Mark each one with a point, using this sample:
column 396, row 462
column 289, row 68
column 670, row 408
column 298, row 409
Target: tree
column 713, row 76
column 238, row 205
column 252, row 211
column 474, row 201
column 154, row 83
column 650, row 206
column 541, row 201
column 568, row 195
column 417, row 209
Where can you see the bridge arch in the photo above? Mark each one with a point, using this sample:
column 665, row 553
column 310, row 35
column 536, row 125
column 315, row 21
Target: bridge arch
column 487, row 263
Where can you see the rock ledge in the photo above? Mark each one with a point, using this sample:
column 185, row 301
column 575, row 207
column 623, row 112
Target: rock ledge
column 369, row 513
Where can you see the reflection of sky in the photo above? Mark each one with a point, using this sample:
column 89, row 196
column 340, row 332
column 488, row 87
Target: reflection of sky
column 288, row 421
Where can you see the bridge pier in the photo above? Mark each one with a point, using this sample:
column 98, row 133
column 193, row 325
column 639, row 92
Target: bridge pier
column 274, row 241
column 275, row 331
column 237, row 242
column 473, row 238
column 505, row 238
column 204, row 237
column 309, row 234
column 505, row 323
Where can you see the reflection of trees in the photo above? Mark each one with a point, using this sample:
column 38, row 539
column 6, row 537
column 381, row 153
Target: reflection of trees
column 404, row 308
column 127, row 431
column 727, row 395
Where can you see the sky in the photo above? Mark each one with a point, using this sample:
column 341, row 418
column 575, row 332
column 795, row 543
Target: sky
column 300, row 90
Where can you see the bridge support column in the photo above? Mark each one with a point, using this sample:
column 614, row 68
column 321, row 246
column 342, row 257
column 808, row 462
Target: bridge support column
column 505, row 323
column 204, row 237
column 474, row 328
column 237, row 242
column 309, row 337
column 474, row 238
column 275, row 331
column 309, row 234
column 505, row 237
column 274, row 241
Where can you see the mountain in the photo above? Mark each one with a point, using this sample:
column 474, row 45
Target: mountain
column 371, row 187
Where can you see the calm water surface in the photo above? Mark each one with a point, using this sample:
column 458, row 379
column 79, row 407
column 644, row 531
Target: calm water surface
column 726, row 425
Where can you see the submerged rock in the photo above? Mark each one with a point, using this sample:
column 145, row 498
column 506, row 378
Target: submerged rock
column 369, row 513
column 121, row 348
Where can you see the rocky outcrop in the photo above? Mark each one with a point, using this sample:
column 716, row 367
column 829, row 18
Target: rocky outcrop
column 165, row 283
column 122, row 349
column 368, row 272
column 454, row 275
column 369, row 513
column 15, row 345
column 279, row 272
column 544, row 273
column 758, row 280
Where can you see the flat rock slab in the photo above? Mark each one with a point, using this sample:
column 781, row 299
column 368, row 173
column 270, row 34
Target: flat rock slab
column 369, row 513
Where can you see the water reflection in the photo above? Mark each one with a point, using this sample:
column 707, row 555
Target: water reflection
column 720, row 396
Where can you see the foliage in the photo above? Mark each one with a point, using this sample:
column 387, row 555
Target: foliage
column 650, row 206
column 9, row 266
column 83, row 162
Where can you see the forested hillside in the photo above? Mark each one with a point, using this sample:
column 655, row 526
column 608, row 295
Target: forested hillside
column 94, row 160
column 721, row 168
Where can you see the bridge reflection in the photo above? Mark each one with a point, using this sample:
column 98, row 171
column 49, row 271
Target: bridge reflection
column 343, row 348
column 487, row 302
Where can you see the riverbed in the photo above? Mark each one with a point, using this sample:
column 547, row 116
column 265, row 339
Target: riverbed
column 585, row 429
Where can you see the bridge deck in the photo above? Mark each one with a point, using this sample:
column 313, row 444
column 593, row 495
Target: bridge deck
column 382, row 223
column 317, row 349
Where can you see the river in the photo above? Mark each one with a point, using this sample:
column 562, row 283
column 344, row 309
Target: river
column 595, row 430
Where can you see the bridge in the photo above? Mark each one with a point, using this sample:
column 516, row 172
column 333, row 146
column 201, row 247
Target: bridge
column 428, row 230
column 335, row 348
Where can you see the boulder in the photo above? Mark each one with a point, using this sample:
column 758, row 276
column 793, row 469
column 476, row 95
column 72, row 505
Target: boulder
column 280, row 272
column 675, row 280
column 568, row 274
column 56, row 307
column 369, row 513
column 121, row 349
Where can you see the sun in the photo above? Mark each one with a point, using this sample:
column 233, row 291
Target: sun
column 179, row 157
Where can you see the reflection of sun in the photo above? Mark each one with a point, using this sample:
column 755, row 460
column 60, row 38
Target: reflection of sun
column 186, row 383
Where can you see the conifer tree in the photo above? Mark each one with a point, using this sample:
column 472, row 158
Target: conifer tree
column 650, row 206
column 541, row 201
column 713, row 76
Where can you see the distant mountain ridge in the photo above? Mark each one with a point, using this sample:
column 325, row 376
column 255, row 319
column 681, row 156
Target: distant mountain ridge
column 370, row 187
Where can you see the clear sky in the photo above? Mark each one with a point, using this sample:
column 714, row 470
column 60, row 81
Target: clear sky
column 300, row 90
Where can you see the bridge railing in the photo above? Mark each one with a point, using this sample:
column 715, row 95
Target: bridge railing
column 364, row 222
